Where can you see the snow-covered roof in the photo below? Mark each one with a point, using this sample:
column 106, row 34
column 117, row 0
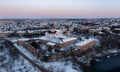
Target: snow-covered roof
column 117, row 29
column 51, row 43
column 30, row 31
column 24, row 39
column 69, row 39
column 8, row 32
column 51, row 39
column 21, row 32
column 84, row 42
column 58, row 40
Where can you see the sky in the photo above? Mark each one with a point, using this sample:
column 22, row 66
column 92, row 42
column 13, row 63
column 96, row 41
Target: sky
column 59, row 8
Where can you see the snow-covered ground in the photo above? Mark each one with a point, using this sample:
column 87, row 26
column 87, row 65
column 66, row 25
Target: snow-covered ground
column 9, row 64
column 61, row 66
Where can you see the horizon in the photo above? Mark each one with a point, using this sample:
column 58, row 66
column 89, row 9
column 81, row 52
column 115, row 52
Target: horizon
column 59, row 9
column 56, row 17
column 35, row 17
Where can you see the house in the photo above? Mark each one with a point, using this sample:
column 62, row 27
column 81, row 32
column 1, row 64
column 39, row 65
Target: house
column 86, row 44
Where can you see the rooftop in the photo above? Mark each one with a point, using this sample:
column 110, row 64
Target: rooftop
column 60, row 39
column 84, row 42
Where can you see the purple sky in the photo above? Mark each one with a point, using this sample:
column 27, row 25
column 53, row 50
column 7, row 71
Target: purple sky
column 59, row 8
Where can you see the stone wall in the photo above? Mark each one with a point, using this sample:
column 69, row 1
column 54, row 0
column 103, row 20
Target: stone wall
column 87, row 46
column 28, row 47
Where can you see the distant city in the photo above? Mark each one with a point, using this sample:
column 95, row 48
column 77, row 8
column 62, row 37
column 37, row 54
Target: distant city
column 59, row 44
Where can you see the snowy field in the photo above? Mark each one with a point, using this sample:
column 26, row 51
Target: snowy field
column 10, row 64
column 61, row 66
